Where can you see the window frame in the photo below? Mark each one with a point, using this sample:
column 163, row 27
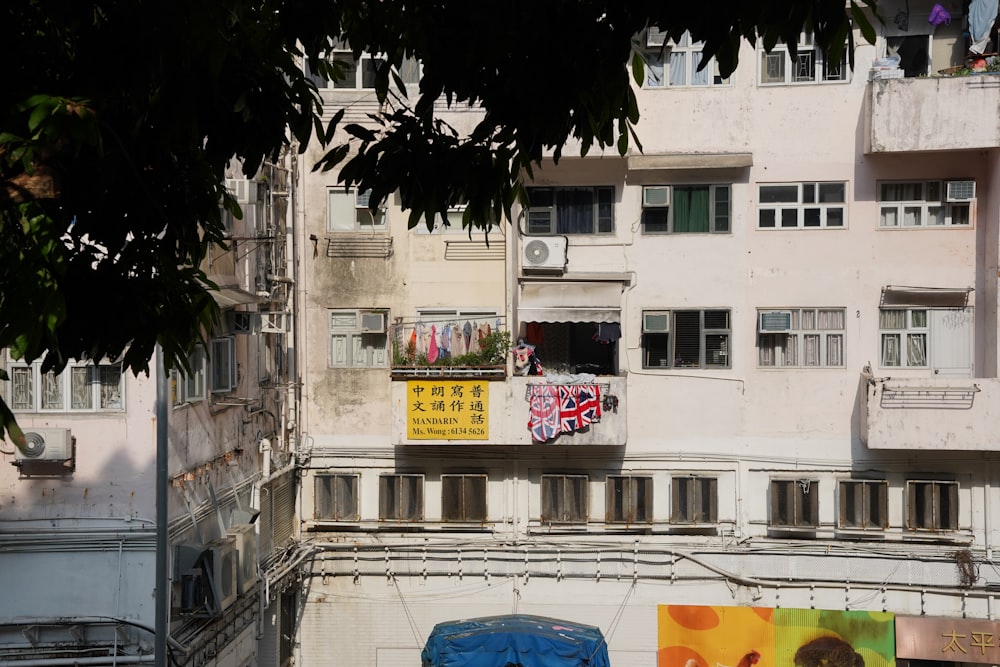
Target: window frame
column 923, row 206
column 718, row 222
column 658, row 56
column 360, row 71
column 373, row 346
column 34, row 382
column 821, row 70
column 603, row 210
column 669, row 339
column 224, row 377
column 467, row 483
column 323, row 490
column 870, row 511
column 904, row 335
column 692, row 510
column 628, row 499
column 363, row 219
column 770, row 343
column 398, row 512
column 804, row 515
column 562, row 495
column 938, row 505
column 807, row 200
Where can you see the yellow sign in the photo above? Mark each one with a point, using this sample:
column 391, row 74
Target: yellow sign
column 447, row 410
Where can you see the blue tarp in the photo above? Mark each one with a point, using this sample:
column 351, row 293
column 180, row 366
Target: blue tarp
column 528, row 641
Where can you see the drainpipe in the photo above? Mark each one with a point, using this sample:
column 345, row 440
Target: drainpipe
column 161, row 589
column 99, row 660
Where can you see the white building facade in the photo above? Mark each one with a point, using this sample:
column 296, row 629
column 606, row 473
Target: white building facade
column 784, row 309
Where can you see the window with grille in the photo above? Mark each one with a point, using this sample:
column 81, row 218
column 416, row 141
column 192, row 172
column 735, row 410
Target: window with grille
column 800, row 338
column 336, row 497
column 794, row 503
column 463, row 498
column 564, row 499
column 358, row 339
column 629, row 499
column 931, row 505
column 809, row 65
column 689, row 339
column 401, row 497
column 686, row 209
column 802, row 205
column 571, row 210
column 694, row 499
column 864, row 504
column 81, row 387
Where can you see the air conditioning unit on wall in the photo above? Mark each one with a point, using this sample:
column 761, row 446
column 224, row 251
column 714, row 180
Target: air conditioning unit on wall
column 45, row 444
column 246, row 545
column 544, row 253
column 221, row 562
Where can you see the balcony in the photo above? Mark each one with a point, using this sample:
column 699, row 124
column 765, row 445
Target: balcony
column 483, row 411
column 945, row 414
column 933, row 114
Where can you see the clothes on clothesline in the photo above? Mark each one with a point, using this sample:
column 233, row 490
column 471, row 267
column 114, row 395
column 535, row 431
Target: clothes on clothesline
column 557, row 409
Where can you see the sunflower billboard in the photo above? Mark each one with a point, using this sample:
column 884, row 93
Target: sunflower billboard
column 702, row 636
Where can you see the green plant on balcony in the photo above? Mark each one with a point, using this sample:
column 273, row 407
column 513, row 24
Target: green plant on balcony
column 493, row 350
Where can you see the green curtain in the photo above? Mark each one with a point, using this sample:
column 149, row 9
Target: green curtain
column 691, row 209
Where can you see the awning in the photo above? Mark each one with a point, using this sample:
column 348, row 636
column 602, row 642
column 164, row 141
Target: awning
column 690, row 161
column 227, row 297
column 518, row 639
column 570, row 302
column 930, row 297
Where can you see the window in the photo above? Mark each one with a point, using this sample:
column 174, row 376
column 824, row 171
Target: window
column 794, row 503
column 223, row 363
column 694, row 499
column 864, row 504
column 800, row 338
column 904, row 336
column 686, row 339
column 575, row 347
column 677, row 65
column 810, row 65
column 629, row 499
column 348, row 212
column 401, row 497
column 81, row 387
column 571, row 210
column 336, row 497
column 802, row 205
column 463, row 498
column 925, row 204
column 564, row 499
column 358, row 339
column 360, row 73
column 189, row 387
column 931, row 505
column 685, row 209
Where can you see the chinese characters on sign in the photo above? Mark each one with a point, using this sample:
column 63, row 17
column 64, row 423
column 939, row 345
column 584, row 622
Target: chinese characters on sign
column 947, row 639
column 447, row 410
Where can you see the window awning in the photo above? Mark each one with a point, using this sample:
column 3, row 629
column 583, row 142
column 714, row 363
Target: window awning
column 930, row 297
column 690, row 161
column 570, row 302
column 228, row 297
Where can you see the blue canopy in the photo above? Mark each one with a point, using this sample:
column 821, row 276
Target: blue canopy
column 518, row 639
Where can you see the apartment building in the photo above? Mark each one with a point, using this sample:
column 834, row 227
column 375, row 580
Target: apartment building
column 768, row 372
column 78, row 515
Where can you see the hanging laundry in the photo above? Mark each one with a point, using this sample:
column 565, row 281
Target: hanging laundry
column 534, row 333
column 457, row 341
column 543, row 412
column 579, row 406
column 411, row 348
column 467, row 333
column 432, row 348
column 444, row 344
column 608, row 332
column 423, row 340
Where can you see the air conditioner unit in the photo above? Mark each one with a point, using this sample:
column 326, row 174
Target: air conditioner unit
column 221, row 563
column 243, row 189
column 45, row 444
column 545, row 253
column 774, row 321
column 246, row 546
column 656, row 196
column 372, row 322
column 657, row 321
column 960, row 191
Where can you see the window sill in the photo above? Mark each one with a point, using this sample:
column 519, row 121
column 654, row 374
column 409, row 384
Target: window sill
column 448, row 372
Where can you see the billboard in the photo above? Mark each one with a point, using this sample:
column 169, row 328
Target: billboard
column 447, row 410
column 702, row 636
